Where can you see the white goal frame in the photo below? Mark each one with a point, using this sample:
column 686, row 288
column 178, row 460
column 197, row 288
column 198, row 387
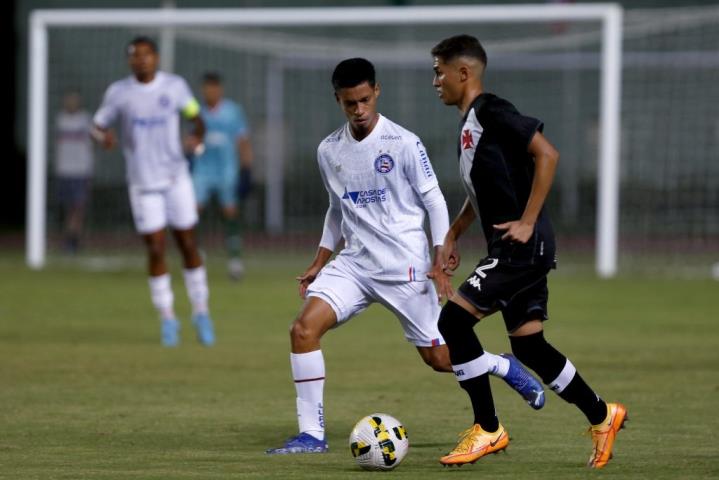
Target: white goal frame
column 608, row 14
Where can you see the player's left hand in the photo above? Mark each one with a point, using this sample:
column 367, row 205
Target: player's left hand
column 516, row 231
column 193, row 144
column 441, row 276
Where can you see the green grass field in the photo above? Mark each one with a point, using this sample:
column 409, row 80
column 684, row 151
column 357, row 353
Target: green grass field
column 86, row 392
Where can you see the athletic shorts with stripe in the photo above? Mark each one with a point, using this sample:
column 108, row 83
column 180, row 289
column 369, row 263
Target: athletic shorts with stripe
column 349, row 292
column 518, row 291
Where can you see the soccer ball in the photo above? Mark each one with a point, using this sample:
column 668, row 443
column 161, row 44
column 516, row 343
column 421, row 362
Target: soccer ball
column 379, row 442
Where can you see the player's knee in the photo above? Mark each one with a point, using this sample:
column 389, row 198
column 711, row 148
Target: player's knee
column 302, row 332
column 454, row 322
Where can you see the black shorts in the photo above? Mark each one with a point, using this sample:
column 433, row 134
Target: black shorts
column 518, row 291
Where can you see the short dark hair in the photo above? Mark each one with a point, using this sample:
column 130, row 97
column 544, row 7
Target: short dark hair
column 460, row 46
column 141, row 40
column 352, row 72
column 212, row 77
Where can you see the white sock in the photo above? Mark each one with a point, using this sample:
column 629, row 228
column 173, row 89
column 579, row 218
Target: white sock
column 498, row 366
column 162, row 296
column 308, row 372
column 197, row 290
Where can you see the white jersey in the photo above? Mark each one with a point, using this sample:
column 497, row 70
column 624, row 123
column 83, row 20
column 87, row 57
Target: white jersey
column 73, row 146
column 150, row 118
column 377, row 183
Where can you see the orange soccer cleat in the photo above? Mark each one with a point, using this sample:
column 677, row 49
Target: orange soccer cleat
column 475, row 443
column 603, row 435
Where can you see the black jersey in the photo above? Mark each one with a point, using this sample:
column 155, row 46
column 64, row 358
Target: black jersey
column 497, row 173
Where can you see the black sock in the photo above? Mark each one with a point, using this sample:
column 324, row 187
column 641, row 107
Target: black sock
column 480, row 394
column 579, row 393
column 456, row 326
column 536, row 353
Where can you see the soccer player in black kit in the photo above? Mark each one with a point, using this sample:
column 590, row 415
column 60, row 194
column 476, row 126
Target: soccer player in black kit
column 507, row 167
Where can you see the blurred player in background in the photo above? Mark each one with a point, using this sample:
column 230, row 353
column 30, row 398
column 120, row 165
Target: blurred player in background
column 507, row 167
column 227, row 151
column 381, row 186
column 74, row 164
column 147, row 104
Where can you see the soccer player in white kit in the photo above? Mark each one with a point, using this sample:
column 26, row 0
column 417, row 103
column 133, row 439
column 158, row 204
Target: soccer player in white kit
column 147, row 104
column 381, row 184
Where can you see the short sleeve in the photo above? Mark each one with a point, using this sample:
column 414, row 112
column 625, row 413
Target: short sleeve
column 241, row 127
column 109, row 109
column 417, row 167
column 513, row 125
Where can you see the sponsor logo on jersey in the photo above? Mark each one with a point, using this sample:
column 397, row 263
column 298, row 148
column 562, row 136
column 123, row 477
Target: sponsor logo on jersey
column 467, row 140
column 390, row 137
column 384, row 163
column 424, row 161
column 362, row 198
column 148, row 122
column 164, row 101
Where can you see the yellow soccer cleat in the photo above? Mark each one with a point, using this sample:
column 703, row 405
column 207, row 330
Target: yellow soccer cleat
column 475, row 443
column 603, row 435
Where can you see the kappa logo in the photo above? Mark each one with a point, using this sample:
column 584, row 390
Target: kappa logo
column 467, row 140
column 362, row 198
column 475, row 281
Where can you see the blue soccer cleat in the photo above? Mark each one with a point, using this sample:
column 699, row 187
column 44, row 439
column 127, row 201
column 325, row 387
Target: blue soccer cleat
column 302, row 443
column 524, row 383
column 205, row 330
column 169, row 332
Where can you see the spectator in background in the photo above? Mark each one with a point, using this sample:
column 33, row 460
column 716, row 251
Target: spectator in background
column 74, row 164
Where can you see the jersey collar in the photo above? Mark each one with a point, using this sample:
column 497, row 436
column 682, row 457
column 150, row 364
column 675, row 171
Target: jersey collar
column 375, row 131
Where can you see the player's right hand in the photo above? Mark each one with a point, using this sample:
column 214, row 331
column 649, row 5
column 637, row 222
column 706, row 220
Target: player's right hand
column 306, row 278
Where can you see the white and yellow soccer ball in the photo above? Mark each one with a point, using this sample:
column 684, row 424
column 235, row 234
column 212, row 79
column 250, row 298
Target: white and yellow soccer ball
column 379, row 442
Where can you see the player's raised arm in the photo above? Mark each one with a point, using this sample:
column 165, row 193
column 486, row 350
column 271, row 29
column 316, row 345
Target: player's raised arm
column 546, row 158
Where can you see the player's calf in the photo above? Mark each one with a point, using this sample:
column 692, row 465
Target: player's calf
column 436, row 357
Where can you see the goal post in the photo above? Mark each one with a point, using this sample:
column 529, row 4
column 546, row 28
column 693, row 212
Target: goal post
column 609, row 108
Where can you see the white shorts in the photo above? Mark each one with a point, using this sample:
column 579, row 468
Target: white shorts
column 175, row 205
column 414, row 303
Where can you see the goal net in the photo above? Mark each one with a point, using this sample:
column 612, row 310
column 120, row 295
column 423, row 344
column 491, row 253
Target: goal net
column 644, row 207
